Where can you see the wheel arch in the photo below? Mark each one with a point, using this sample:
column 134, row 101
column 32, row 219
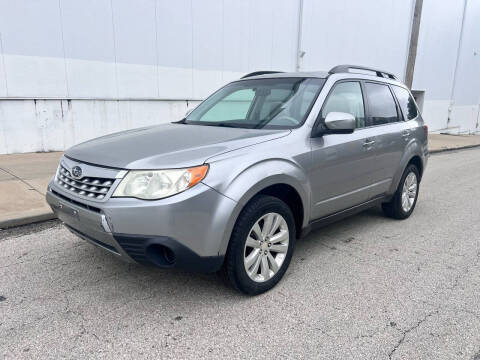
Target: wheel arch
column 417, row 161
column 282, row 186
column 289, row 196
column 411, row 156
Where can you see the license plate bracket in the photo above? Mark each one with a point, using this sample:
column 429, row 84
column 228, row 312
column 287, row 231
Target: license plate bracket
column 62, row 209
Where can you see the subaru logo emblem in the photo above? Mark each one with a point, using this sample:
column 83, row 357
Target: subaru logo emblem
column 77, row 172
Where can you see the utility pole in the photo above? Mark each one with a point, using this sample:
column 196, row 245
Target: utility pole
column 412, row 49
column 300, row 52
column 455, row 71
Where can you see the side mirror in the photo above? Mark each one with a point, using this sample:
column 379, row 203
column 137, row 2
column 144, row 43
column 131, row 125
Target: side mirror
column 335, row 123
column 340, row 122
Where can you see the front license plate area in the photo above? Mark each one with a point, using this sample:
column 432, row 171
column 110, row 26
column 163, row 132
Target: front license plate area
column 66, row 213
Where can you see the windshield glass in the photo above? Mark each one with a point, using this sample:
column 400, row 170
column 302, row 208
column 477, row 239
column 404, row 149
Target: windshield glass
column 280, row 103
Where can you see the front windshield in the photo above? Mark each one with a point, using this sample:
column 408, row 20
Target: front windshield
column 280, row 103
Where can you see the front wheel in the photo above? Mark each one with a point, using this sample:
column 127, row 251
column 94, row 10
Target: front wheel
column 261, row 245
column 403, row 202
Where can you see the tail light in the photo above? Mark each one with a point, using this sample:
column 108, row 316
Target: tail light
column 425, row 127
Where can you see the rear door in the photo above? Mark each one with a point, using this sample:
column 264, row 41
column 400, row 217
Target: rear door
column 385, row 126
column 342, row 164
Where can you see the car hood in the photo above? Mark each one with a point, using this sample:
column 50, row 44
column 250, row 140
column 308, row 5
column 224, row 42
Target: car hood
column 167, row 146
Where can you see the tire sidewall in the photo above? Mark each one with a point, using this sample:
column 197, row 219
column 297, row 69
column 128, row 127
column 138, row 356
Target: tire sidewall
column 254, row 211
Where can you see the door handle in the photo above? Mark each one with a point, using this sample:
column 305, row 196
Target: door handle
column 406, row 133
column 368, row 143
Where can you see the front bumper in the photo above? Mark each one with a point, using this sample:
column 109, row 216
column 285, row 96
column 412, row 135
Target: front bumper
column 185, row 231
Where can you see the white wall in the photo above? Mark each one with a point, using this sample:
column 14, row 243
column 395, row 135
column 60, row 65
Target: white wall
column 466, row 93
column 370, row 32
column 49, row 125
column 451, row 102
column 122, row 62
column 122, row 59
column 156, row 49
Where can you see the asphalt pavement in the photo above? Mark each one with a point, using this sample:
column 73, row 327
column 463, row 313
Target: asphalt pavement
column 367, row 287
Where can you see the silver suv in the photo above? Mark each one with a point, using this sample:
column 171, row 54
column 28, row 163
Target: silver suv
column 251, row 169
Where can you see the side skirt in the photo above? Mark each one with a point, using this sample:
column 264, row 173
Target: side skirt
column 329, row 219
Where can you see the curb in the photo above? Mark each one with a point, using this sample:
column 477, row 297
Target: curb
column 453, row 149
column 29, row 217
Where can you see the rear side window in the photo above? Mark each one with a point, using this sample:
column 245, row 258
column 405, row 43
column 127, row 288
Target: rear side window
column 407, row 104
column 381, row 105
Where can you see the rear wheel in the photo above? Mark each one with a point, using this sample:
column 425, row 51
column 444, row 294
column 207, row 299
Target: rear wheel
column 261, row 245
column 403, row 202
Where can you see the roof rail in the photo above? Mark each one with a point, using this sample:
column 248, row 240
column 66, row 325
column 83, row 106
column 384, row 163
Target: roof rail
column 256, row 73
column 346, row 69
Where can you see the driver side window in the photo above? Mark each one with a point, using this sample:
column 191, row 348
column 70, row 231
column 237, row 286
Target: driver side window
column 346, row 97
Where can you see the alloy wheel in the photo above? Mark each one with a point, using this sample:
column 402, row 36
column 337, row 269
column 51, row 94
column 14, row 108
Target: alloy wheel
column 409, row 191
column 266, row 247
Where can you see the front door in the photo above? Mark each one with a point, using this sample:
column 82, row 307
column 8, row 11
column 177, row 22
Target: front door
column 342, row 164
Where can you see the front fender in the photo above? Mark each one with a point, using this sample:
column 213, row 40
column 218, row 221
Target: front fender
column 244, row 185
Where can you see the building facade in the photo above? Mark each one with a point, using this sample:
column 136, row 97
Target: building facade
column 72, row 70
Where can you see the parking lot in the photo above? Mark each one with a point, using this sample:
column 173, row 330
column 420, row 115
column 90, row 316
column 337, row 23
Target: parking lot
column 367, row 287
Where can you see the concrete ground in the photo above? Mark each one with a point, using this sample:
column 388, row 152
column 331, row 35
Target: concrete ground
column 367, row 287
column 23, row 183
column 24, row 179
column 441, row 142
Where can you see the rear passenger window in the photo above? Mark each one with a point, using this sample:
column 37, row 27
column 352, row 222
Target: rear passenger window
column 346, row 97
column 381, row 105
column 409, row 109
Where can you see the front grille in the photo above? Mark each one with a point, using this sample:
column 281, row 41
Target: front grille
column 88, row 187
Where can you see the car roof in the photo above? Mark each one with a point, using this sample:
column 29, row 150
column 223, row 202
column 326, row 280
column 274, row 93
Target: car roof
column 321, row 75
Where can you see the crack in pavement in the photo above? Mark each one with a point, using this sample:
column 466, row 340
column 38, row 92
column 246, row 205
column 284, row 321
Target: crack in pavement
column 455, row 284
column 407, row 331
column 450, row 308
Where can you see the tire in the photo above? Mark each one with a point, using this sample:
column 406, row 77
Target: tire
column 262, row 211
column 394, row 208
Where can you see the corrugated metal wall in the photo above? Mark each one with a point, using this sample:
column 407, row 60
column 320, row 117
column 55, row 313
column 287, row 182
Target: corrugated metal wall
column 369, row 32
column 448, row 65
column 124, row 63
column 72, row 70
column 155, row 49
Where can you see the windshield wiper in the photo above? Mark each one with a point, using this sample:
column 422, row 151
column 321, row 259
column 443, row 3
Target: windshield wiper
column 222, row 124
column 228, row 123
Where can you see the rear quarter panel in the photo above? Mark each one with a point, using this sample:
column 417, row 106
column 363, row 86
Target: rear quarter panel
column 416, row 146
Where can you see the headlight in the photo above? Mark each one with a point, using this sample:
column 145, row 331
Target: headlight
column 158, row 184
